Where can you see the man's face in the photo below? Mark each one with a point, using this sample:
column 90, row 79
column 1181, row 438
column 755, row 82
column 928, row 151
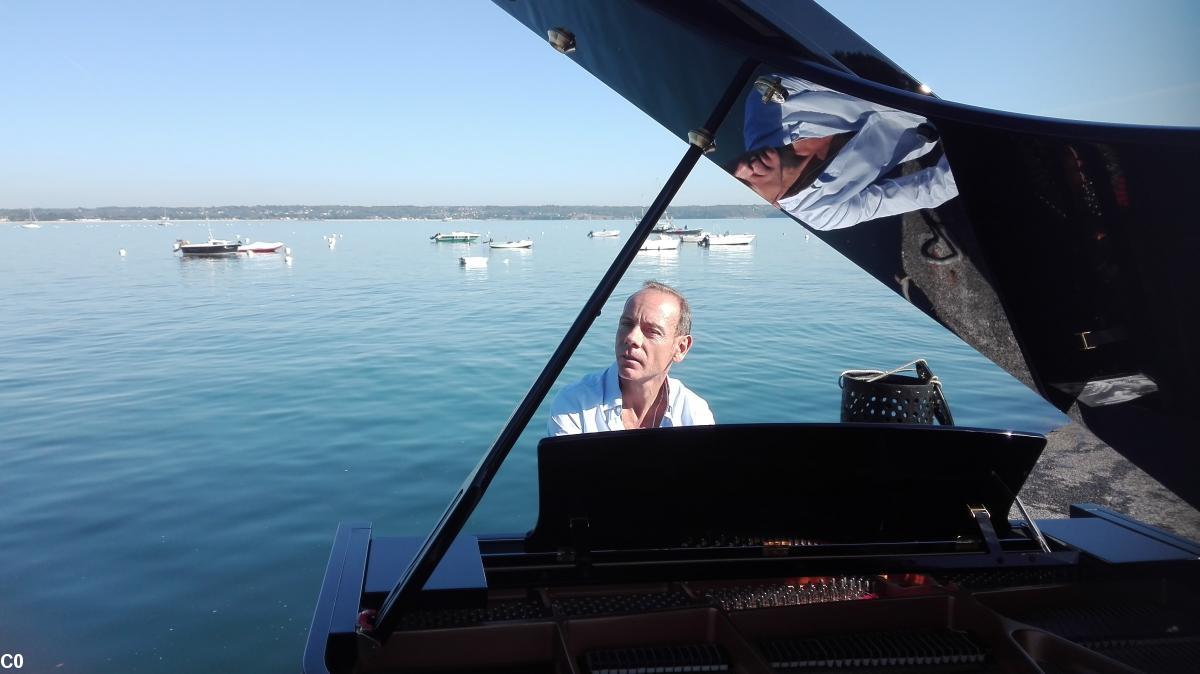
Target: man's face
column 769, row 172
column 646, row 340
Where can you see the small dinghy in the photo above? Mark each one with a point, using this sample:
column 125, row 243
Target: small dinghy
column 260, row 247
column 726, row 239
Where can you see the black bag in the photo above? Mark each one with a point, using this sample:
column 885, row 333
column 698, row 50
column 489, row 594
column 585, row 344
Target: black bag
column 887, row 397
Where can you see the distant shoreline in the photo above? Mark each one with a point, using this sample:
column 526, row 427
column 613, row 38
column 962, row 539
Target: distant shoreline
column 389, row 213
column 98, row 221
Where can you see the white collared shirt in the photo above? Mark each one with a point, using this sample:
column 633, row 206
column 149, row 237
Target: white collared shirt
column 594, row 404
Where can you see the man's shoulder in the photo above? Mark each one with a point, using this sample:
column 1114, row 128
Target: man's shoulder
column 588, row 389
column 686, row 396
column 688, row 408
column 678, row 385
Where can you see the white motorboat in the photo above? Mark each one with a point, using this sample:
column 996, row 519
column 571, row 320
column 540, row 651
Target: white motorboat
column 455, row 237
column 693, row 238
column 726, row 239
column 660, row 243
column 211, row 248
column 604, row 233
column 473, row 261
column 523, row 243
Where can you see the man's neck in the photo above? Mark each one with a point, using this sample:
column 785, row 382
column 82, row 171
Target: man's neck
column 639, row 397
column 819, row 154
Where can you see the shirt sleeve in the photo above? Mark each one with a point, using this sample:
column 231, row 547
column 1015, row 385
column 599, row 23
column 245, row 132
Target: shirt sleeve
column 563, row 424
column 565, row 416
column 928, row 188
column 702, row 415
column 696, row 411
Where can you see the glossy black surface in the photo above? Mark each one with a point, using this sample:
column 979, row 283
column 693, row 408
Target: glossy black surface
column 330, row 644
column 1110, row 543
column 806, row 23
column 458, row 580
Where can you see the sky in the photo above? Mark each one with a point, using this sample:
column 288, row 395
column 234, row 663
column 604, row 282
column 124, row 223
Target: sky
column 436, row 102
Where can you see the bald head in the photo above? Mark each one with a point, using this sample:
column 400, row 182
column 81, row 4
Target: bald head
column 683, row 312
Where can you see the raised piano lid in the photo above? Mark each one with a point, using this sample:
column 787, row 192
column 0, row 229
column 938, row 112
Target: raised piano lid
column 1066, row 258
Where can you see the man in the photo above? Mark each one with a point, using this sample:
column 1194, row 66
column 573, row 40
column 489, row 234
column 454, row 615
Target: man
column 653, row 334
column 821, row 155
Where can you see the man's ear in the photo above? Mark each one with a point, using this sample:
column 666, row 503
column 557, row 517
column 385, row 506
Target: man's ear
column 685, row 345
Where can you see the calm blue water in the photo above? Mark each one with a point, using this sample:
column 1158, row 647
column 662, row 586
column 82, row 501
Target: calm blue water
column 179, row 438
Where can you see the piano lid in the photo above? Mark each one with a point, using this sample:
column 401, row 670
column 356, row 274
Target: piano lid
column 1062, row 251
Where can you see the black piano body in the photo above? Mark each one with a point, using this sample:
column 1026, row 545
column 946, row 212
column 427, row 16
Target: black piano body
column 758, row 548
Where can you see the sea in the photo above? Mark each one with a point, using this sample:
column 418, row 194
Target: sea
column 180, row 437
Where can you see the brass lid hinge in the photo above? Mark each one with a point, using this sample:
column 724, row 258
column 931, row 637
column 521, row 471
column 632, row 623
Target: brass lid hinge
column 1090, row 339
column 983, row 519
column 771, row 89
column 580, row 551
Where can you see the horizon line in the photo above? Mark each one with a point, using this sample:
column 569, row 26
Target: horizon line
column 293, row 205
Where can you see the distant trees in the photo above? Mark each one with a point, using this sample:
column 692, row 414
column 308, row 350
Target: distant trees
column 342, row 212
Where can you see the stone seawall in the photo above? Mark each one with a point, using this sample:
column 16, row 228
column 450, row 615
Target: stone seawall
column 1077, row 467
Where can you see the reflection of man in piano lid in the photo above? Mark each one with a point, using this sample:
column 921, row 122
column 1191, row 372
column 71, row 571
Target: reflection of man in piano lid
column 653, row 333
column 779, row 173
column 822, row 155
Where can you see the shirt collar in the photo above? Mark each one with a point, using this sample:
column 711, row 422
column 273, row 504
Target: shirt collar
column 613, row 399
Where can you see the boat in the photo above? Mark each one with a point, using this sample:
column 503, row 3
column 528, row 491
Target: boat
column 726, row 239
column 455, row 237
column 680, row 231
column 660, row 242
column 473, row 261
column 857, row 546
column 210, row 248
column 523, row 243
column 695, row 237
column 260, row 247
column 665, row 226
column 604, row 233
column 32, row 223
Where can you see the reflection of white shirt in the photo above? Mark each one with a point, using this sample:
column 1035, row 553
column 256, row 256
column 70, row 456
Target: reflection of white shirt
column 849, row 190
column 593, row 404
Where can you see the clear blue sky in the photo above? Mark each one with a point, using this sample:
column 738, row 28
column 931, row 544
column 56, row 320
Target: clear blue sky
column 187, row 103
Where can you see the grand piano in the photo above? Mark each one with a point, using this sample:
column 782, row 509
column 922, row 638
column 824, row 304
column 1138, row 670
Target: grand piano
column 1060, row 250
